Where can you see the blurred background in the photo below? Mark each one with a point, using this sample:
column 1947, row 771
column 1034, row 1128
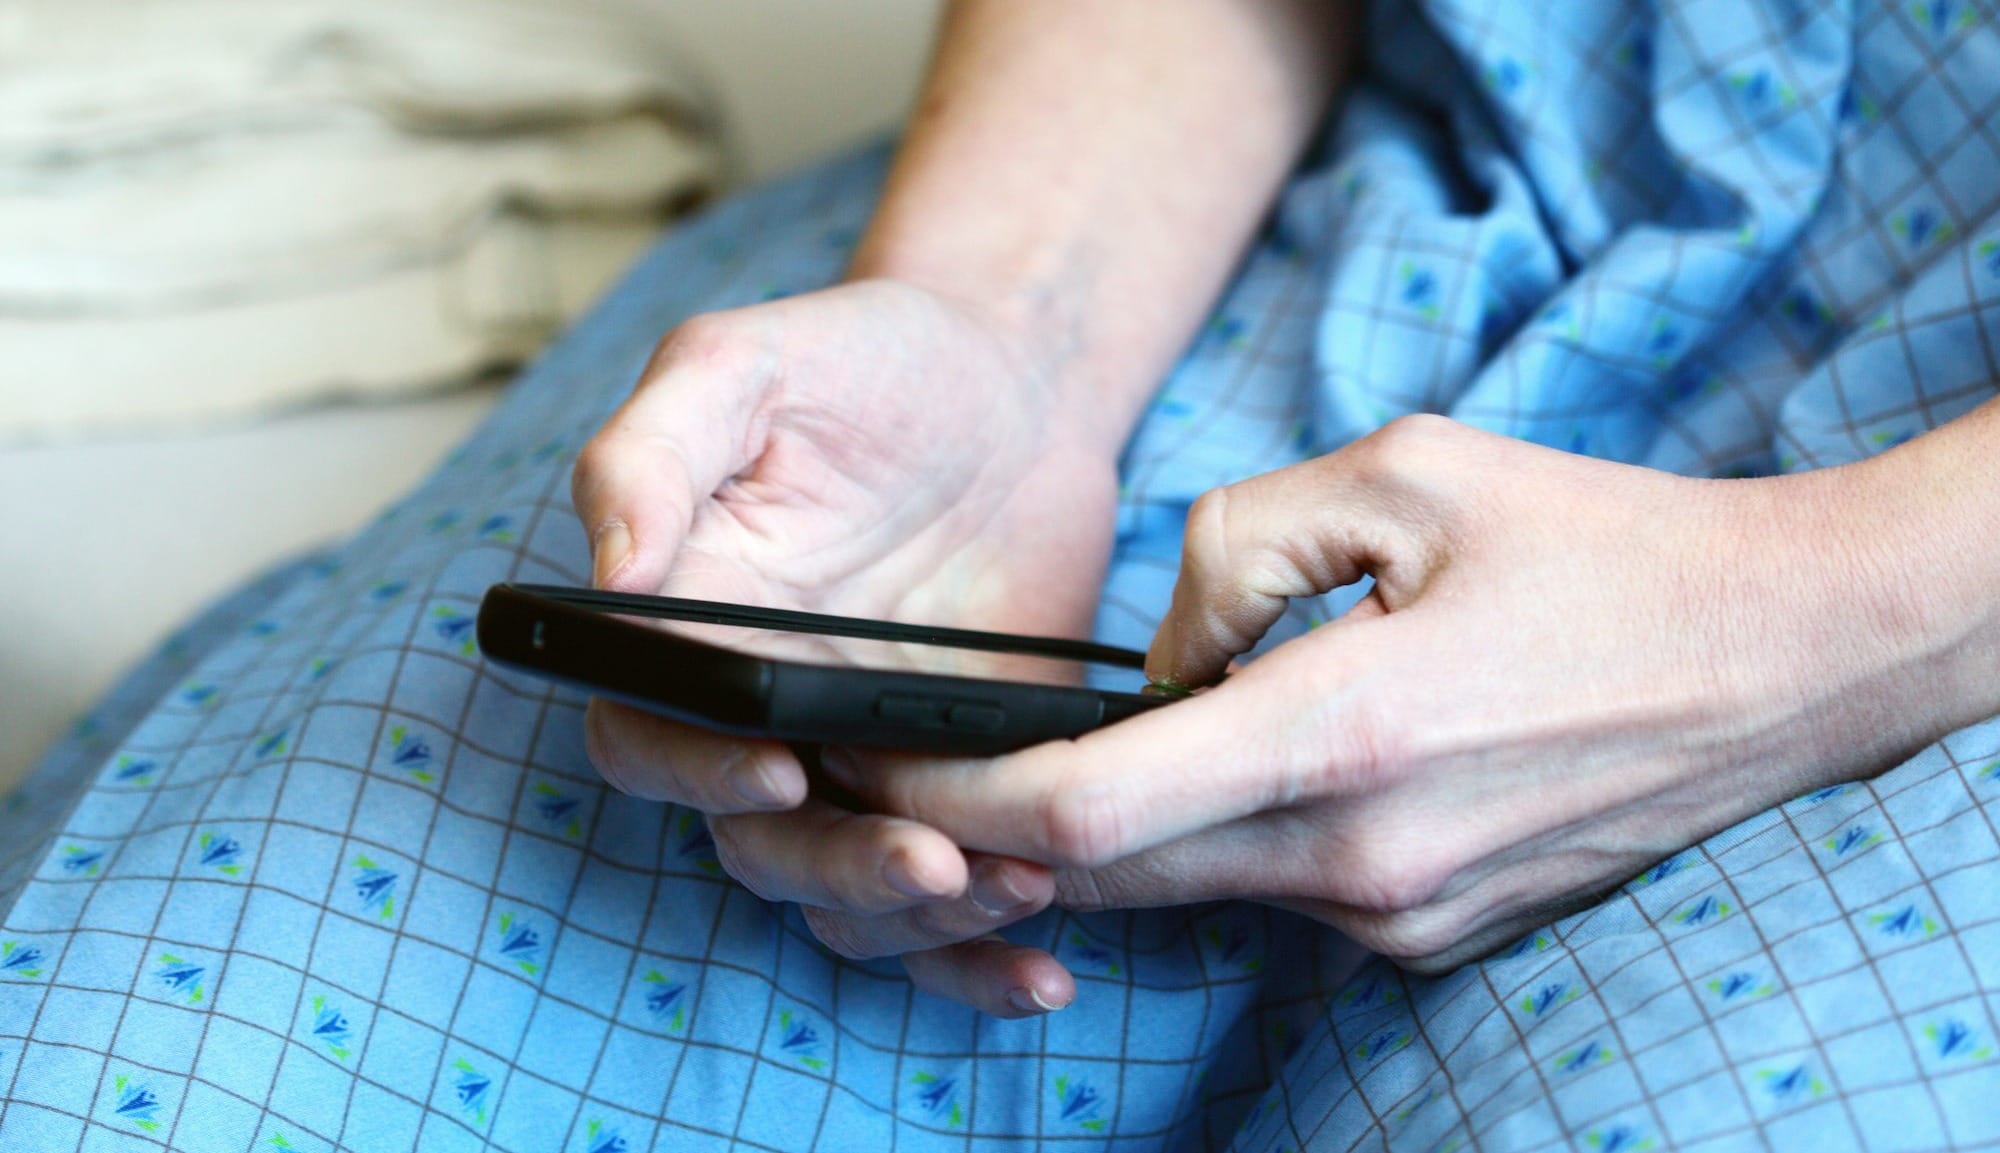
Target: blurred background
column 263, row 263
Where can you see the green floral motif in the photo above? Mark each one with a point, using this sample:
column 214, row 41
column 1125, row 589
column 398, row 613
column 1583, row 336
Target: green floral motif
column 1733, row 987
column 520, row 944
column 1794, row 1084
column 455, row 628
column 1080, row 1103
column 131, row 770
column 1588, row 1055
column 20, row 959
column 79, row 861
column 331, row 1029
column 598, row 1137
column 666, row 1000
column 411, row 753
column 800, row 1040
column 938, row 1096
column 1619, row 1139
column 471, row 1088
column 1408, row 1111
column 1381, row 1043
column 559, row 809
column 1541, row 1001
column 181, row 977
column 275, row 743
column 1903, row 922
column 221, row 852
column 1419, row 289
column 1232, row 947
column 135, row 1103
column 1092, row 955
column 1955, row 1040
column 1706, row 911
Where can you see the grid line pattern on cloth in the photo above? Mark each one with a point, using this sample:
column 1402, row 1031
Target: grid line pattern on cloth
column 1630, row 319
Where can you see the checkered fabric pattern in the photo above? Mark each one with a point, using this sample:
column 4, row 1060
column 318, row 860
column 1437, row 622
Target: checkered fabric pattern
column 316, row 877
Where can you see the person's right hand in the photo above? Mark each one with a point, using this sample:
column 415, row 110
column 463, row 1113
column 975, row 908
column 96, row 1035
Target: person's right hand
column 870, row 450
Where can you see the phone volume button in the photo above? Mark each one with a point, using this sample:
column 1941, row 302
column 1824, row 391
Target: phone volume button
column 910, row 710
column 976, row 717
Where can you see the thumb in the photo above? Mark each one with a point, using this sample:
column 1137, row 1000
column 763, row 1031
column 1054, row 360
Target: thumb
column 1253, row 546
column 686, row 428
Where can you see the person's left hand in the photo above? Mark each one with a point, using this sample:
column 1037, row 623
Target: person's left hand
column 1567, row 669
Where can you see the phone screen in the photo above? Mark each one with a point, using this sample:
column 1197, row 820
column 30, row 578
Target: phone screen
column 899, row 656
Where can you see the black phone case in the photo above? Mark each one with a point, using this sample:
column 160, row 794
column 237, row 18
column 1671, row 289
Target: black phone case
column 573, row 641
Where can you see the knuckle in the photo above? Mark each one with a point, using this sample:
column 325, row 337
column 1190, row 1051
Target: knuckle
column 1398, row 888
column 595, row 475
column 1387, row 867
column 852, row 856
column 711, row 339
column 730, row 854
column 1205, row 544
column 1385, row 873
column 938, row 925
column 1371, row 750
column 605, row 751
column 1084, row 890
column 1083, row 828
column 1410, row 939
column 1401, row 448
column 591, row 467
column 840, row 933
column 1418, row 431
column 855, row 891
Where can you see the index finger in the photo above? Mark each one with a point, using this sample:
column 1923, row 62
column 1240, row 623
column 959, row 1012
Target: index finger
column 1252, row 744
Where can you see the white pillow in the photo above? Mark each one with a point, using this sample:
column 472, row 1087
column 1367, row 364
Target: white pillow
column 214, row 207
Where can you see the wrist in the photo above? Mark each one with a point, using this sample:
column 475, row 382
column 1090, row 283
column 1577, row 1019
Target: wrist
column 1938, row 527
column 1094, row 393
column 1903, row 545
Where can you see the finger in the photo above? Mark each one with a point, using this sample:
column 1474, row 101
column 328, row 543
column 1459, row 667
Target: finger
column 1256, row 858
column 994, row 976
column 820, row 855
column 1252, row 547
column 1001, row 892
column 655, row 759
column 686, row 428
column 1257, row 742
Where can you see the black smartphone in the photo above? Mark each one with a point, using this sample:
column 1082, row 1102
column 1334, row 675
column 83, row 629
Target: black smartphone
column 810, row 677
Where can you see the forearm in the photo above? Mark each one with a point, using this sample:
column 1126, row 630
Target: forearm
column 1091, row 172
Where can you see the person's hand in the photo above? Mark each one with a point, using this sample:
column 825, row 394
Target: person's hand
column 1566, row 670
column 869, row 450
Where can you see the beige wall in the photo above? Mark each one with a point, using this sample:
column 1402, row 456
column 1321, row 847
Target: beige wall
column 800, row 76
column 107, row 546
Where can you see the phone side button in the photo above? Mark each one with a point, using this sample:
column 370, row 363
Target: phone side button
column 908, row 710
column 978, row 718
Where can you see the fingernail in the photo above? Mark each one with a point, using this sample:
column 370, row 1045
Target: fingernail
column 993, row 888
column 752, row 780
column 898, row 874
column 1028, row 1000
column 614, row 542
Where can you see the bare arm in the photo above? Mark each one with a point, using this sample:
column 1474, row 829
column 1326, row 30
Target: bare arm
column 1092, row 171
